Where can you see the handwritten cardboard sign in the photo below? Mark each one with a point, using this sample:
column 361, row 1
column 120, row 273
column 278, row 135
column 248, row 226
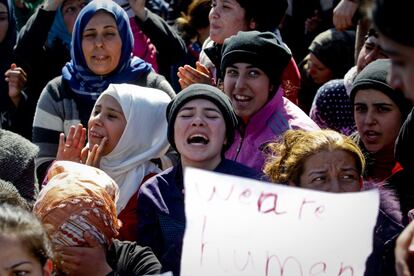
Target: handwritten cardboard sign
column 237, row 226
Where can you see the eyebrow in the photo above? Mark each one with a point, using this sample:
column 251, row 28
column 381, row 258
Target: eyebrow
column 375, row 104
column 20, row 263
column 109, row 108
column 105, row 27
column 318, row 171
column 204, row 109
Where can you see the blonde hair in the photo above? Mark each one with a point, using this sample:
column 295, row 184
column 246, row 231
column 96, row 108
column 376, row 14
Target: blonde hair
column 287, row 156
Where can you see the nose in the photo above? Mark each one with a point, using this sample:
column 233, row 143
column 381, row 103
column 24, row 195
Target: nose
column 312, row 70
column 240, row 82
column 213, row 13
column 98, row 41
column 335, row 185
column 370, row 118
column 394, row 79
column 198, row 121
column 95, row 120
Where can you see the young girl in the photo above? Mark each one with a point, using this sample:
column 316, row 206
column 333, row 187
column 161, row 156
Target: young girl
column 379, row 111
column 125, row 131
column 252, row 64
column 25, row 248
column 201, row 124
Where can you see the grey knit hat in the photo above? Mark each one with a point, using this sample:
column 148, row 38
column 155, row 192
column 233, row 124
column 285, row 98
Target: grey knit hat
column 374, row 76
column 17, row 156
column 263, row 50
column 10, row 195
column 202, row 91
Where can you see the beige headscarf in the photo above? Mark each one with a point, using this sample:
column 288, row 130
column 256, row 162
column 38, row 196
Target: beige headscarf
column 78, row 199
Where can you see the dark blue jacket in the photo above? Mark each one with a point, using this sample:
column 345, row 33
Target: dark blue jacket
column 161, row 211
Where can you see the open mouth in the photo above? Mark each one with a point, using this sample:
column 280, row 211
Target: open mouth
column 198, row 139
column 95, row 134
column 242, row 98
column 100, row 58
column 371, row 136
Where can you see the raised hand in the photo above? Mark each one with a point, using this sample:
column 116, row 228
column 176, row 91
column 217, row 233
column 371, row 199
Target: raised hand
column 16, row 78
column 404, row 252
column 188, row 75
column 92, row 157
column 88, row 261
column 52, row 5
column 138, row 6
column 70, row 147
column 343, row 14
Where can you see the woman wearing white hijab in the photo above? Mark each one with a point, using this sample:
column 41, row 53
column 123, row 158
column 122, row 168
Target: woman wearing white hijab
column 127, row 129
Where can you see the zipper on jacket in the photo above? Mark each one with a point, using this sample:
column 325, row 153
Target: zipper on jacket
column 242, row 130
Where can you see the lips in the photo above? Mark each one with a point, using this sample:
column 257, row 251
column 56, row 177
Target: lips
column 241, row 101
column 242, row 98
column 94, row 134
column 198, row 139
column 371, row 136
column 100, row 58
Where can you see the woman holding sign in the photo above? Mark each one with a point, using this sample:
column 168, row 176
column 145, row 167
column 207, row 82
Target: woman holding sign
column 326, row 160
column 201, row 124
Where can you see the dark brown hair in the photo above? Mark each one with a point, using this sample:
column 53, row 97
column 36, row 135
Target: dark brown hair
column 15, row 221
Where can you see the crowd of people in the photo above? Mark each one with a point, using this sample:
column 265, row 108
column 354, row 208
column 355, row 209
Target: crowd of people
column 104, row 104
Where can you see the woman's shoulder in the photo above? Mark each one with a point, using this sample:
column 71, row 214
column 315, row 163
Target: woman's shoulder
column 58, row 89
column 155, row 80
column 159, row 182
column 131, row 258
column 234, row 168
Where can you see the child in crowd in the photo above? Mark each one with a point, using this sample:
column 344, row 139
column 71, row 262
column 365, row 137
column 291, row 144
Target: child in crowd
column 201, row 125
column 252, row 65
column 125, row 131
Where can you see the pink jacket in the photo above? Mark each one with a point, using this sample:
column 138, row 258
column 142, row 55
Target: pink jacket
column 268, row 124
column 143, row 47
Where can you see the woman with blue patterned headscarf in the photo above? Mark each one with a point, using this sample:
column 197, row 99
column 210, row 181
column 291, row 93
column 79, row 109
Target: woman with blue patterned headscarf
column 69, row 99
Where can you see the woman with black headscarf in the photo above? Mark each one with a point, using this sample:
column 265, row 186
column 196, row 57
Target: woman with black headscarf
column 12, row 101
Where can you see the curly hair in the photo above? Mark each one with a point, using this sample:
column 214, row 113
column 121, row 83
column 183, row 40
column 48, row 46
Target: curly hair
column 288, row 155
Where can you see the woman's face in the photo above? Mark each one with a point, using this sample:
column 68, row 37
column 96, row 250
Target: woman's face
column 331, row 171
column 101, row 44
column 318, row 71
column 227, row 18
column 4, row 21
column 199, row 134
column 369, row 52
column 107, row 120
column 377, row 118
column 17, row 261
column 70, row 10
column 401, row 72
column 248, row 88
